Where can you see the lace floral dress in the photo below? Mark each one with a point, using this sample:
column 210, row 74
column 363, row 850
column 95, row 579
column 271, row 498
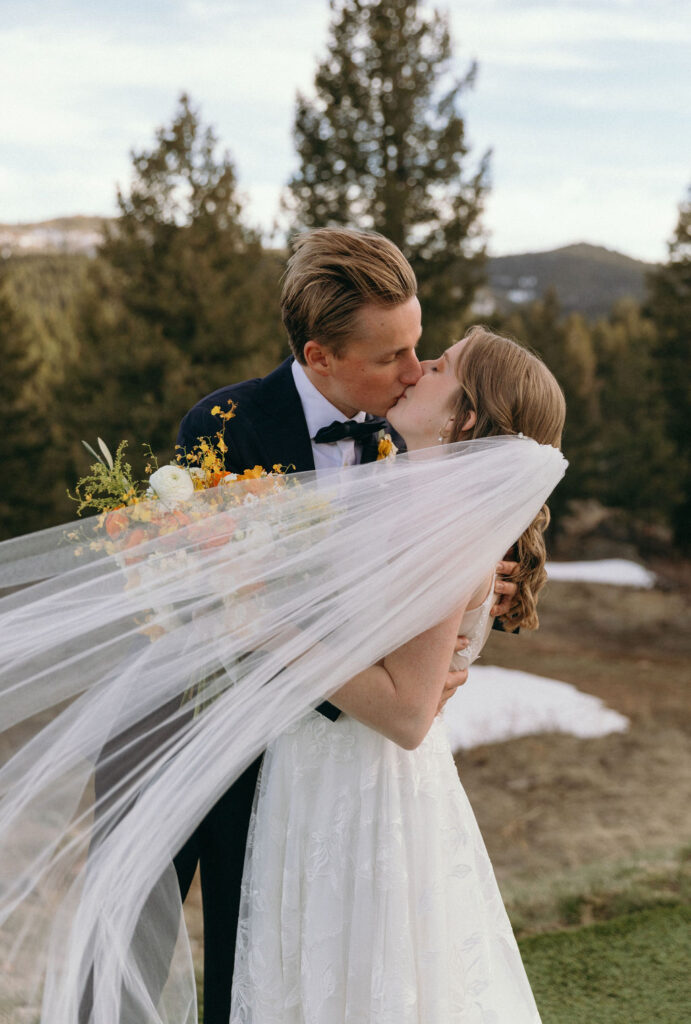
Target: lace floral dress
column 368, row 895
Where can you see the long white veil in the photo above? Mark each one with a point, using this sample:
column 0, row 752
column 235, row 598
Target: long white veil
column 144, row 664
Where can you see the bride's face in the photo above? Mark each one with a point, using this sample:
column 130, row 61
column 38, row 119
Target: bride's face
column 425, row 410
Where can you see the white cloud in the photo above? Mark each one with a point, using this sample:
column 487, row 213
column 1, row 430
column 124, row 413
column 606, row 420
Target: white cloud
column 557, row 84
column 576, row 208
column 512, row 27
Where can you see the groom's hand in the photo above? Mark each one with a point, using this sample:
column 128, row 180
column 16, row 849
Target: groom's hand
column 505, row 589
column 454, row 679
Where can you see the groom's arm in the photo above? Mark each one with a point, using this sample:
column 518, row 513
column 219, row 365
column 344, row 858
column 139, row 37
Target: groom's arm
column 244, row 452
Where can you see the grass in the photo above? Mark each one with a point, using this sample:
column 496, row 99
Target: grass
column 632, row 970
column 598, row 891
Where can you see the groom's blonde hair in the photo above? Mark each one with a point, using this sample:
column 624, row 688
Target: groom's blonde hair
column 331, row 275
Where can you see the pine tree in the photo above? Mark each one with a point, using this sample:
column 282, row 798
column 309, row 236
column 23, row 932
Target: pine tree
column 24, row 426
column 637, row 461
column 182, row 297
column 383, row 146
column 669, row 307
column 566, row 346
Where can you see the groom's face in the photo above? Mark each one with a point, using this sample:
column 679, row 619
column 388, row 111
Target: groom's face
column 379, row 361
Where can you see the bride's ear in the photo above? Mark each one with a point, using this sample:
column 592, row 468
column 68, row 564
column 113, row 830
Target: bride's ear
column 447, row 430
column 470, row 421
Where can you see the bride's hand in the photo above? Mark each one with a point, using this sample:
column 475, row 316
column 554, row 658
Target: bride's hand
column 454, row 679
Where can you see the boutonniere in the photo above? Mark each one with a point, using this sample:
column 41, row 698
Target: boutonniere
column 386, row 449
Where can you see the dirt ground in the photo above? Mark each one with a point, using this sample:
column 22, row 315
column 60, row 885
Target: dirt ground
column 572, row 823
column 567, row 811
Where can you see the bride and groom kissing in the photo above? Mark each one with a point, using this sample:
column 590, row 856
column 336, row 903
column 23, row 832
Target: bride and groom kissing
column 415, row 930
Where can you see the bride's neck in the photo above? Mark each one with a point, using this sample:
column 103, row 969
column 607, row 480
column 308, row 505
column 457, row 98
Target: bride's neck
column 417, row 444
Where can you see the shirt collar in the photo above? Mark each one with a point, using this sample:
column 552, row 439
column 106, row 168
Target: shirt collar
column 318, row 410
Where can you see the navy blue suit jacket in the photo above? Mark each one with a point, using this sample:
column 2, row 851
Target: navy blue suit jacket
column 269, row 428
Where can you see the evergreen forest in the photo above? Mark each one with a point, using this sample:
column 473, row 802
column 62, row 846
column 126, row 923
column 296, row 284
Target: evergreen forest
column 182, row 295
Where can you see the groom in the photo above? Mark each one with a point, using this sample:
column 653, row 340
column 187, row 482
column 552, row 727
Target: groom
column 353, row 319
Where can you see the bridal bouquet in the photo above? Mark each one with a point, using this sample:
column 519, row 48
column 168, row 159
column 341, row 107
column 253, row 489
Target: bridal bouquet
column 133, row 512
column 162, row 532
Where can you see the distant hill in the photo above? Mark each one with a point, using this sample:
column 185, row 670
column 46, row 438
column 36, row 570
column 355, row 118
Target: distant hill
column 587, row 278
column 62, row 234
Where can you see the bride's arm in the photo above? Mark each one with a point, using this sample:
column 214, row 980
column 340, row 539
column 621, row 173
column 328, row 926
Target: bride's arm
column 400, row 695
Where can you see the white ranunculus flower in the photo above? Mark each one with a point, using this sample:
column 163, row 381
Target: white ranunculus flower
column 172, row 484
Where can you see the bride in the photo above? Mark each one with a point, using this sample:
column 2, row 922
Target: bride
column 176, row 642
column 368, row 895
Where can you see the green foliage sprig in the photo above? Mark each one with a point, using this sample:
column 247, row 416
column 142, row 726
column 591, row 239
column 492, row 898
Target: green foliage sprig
column 110, row 482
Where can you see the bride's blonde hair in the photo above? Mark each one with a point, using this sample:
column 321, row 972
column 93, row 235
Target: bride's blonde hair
column 511, row 391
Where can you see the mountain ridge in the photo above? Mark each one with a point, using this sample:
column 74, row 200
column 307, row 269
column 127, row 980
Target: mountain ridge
column 587, row 278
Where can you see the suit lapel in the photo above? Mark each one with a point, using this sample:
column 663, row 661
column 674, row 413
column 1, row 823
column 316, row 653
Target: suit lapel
column 284, row 431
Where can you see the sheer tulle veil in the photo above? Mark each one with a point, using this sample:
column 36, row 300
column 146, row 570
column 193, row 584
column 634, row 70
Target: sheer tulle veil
column 140, row 675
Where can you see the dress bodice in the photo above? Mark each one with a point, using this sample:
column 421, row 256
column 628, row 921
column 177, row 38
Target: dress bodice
column 476, row 625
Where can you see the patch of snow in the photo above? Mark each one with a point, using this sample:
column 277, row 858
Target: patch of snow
column 618, row 571
column 498, row 704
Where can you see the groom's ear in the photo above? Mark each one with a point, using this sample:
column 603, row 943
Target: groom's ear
column 318, row 358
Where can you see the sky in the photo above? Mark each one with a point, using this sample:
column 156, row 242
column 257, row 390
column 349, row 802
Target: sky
column 585, row 106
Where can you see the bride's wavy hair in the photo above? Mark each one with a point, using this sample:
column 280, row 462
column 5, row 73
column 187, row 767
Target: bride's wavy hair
column 511, row 391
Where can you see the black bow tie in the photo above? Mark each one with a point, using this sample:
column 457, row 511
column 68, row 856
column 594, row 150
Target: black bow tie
column 337, row 431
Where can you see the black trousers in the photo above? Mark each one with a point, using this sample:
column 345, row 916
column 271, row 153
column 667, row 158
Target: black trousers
column 218, row 847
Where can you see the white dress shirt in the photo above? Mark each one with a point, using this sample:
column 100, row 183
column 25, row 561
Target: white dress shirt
column 319, row 412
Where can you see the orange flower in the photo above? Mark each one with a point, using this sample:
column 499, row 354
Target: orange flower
column 207, row 535
column 257, row 479
column 116, row 522
column 138, row 536
column 216, row 478
column 171, row 521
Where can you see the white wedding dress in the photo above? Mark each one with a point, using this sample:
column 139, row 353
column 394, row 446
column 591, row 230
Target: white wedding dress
column 368, row 894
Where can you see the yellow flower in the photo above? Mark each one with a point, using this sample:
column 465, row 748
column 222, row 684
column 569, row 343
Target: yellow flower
column 386, row 449
column 216, row 411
